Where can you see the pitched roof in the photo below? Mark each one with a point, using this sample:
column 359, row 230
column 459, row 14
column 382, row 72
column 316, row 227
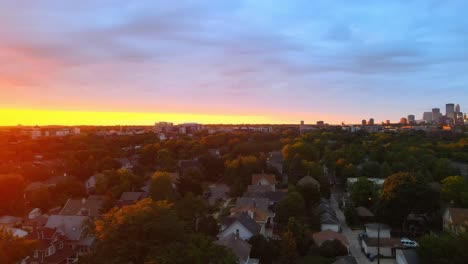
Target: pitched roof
column 384, row 242
column 410, row 256
column 261, row 203
column 364, row 212
column 239, row 247
column 70, row 226
column 458, row 215
column 326, row 235
column 377, row 225
column 272, row 196
column 259, row 188
column 91, row 206
column 258, row 214
column 346, row 260
column 244, row 220
column 257, row 178
column 132, row 196
column 308, row 180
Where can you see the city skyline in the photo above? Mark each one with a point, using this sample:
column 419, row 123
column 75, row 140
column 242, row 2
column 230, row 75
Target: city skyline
column 91, row 63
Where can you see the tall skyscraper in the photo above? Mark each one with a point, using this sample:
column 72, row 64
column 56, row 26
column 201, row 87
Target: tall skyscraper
column 411, row 119
column 371, row 122
column 427, row 117
column 450, row 111
column 435, row 115
column 364, row 122
column 457, row 108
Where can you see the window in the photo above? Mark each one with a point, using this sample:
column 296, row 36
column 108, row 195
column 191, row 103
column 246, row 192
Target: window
column 36, row 253
column 61, row 245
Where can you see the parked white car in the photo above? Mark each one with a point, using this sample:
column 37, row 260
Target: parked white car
column 408, row 242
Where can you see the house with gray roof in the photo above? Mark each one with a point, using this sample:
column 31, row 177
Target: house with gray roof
column 86, row 207
column 261, row 203
column 72, row 226
column 241, row 224
column 239, row 247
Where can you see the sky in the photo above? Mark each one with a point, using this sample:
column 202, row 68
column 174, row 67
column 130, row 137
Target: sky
column 139, row 62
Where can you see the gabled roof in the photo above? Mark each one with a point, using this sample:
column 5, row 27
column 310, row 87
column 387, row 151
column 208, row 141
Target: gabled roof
column 346, row 260
column 70, row 226
column 258, row 214
column 364, row 212
column 244, row 220
column 257, row 178
column 261, row 203
column 326, row 235
column 459, row 215
column 238, row 246
column 377, row 225
column 272, row 196
column 259, row 188
column 91, row 206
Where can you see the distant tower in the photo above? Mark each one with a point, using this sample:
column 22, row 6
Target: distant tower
column 371, row 122
column 411, row 119
column 364, row 122
column 435, row 115
column 457, row 108
column 403, row 121
column 450, row 111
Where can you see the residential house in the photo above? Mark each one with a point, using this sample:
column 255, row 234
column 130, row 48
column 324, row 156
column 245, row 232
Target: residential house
column 133, row 197
column 35, row 220
column 328, row 235
column 239, row 247
column 407, row 256
column 72, row 226
column 387, row 246
column 242, row 225
column 266, row 192
column 455, row 219
column 364, row 214
column 8, row 221
column 378, row 230
column 275, row 159
column 346, row 260
column 264, row 179
column 51, row 248
column 87, row 207
column 257, row 209
column 217, row 192
column 328, row 218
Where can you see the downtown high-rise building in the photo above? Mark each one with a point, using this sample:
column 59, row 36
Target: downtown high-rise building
column 435, row 115
column 450, row 111
column 411, row 119
column 427, row 117
column 457, row 109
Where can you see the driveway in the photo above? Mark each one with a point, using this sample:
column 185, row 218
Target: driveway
column 354, row 246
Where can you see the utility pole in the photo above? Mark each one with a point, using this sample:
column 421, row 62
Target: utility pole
column 378, row 244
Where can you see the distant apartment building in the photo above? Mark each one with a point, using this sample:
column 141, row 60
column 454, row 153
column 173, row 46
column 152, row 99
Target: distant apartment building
column 403, row 121
column 411, row 119
column 189, row 128
column 427, row 117
column 364, row 122
column 450, row 111
column 371, row 122
column 163, row 127
column 435, row 115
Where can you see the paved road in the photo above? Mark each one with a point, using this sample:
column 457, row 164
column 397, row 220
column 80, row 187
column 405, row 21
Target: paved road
column 354, row 246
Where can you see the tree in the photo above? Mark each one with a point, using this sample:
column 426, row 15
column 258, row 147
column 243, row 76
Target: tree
column 311, row 195
column 161, row 187
column 443, row 168
column 191, row 209
column 444, row 249
column 11, row 194
column 400, row 196
column 363, row 192
column 298, row 232
column 40, row 198
column 131, row 233
column 453, row 188
column 288, row 249
column 371, row 169
column 14, row 249
column 293, row 205
column 264, row 249
column 190, row 181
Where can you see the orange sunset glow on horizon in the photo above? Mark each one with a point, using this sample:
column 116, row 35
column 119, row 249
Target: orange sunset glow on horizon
column 29, row 117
